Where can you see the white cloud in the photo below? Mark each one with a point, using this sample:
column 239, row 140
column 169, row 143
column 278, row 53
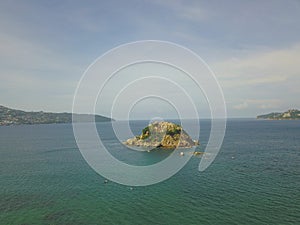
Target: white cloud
column 265, row 103
column 259, row 104
column 243, row 105
column 274, row 66
column 190, row 11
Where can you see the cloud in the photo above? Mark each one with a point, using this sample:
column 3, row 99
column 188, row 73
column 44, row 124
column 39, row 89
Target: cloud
column 243, row 105
column 262, row 80
column 266, row 80
column 265, row 103
column 193, row 11
column 273, row 66
column 259, row 103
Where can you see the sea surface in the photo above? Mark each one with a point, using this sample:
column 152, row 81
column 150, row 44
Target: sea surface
column 255, row 179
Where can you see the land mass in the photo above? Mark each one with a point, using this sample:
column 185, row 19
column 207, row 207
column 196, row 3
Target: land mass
column 162, row 135
column 13, row 117
column 291, row 114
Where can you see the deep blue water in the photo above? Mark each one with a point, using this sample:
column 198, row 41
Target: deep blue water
column 255, row 179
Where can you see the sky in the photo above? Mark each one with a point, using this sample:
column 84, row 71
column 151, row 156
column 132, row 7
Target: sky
column 253, row 47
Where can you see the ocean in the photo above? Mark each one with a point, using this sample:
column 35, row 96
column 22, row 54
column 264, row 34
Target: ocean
column 255, row 179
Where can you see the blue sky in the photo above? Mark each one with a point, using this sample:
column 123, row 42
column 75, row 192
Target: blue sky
column 252, row 46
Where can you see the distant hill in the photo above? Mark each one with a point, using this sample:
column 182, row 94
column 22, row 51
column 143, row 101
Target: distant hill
column 12, row 116
column 292, row 114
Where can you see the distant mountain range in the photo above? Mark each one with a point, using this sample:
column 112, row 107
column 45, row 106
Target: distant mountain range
column 12, row 116
column 292, row 114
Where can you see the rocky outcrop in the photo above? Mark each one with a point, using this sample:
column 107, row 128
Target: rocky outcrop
column 162, row 135
column 291, row 114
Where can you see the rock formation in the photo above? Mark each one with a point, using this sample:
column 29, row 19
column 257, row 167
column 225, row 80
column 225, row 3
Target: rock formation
column 162, row 135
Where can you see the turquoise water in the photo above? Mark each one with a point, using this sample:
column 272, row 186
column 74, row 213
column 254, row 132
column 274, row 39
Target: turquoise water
column 255, row 179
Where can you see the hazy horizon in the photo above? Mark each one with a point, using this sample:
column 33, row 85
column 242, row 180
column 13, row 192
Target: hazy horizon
column 144, row 119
